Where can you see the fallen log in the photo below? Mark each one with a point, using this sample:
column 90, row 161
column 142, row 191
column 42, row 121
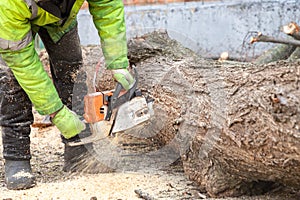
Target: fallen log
column 253, row 142
column 242, row 121
column 236, row 127
column 295, row 55
column 279, row 52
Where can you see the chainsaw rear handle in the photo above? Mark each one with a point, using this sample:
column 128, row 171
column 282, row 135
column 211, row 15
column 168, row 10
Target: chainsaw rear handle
column 117, row 100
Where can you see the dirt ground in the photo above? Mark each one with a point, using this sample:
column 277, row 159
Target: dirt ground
column 53, row 183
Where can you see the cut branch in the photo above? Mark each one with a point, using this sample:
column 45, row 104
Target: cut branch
column 292, row 29
column 265, row 38
column 287, row 48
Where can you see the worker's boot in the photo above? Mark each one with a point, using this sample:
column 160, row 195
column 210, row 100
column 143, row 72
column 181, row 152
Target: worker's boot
column 15, row 120
column 82, row 158
column 18, row 174
column 73, row 155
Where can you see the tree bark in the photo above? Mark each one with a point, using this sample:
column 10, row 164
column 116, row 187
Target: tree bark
column 255, row 140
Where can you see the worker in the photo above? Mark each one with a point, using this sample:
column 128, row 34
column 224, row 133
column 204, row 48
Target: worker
column 25, row 84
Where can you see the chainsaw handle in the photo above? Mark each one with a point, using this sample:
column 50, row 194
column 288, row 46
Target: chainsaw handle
column 117, row 100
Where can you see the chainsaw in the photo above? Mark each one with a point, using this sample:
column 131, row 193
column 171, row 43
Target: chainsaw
column 109, row 112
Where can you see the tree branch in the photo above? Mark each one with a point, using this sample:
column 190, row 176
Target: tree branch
column 265, row 38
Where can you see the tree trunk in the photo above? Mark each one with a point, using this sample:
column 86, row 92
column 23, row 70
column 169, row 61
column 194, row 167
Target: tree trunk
column 254, row 138
column 236, row 126
column 239, row 129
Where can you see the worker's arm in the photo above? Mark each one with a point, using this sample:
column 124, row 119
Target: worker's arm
column 108, row 16
column 18, row 52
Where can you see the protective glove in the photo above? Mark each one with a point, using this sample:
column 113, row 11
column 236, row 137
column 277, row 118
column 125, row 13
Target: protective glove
column 68, row 123
column 124, row 77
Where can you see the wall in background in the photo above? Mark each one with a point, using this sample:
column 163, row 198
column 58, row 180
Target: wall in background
column 207, row 27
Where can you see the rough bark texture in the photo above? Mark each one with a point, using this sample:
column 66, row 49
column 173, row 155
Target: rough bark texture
column 257, row 134
column 295, row 55
column 236, row 126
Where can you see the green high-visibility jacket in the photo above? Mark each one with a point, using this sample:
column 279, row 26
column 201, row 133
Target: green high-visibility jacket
column 19, row 19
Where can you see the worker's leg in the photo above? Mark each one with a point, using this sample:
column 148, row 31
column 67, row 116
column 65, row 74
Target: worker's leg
column 66, row 67
column 70, row 80
column 15, row 120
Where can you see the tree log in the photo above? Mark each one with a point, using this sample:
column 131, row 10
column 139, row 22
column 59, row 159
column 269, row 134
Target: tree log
column 236, row 127
column 295, row 55
column 256, row 138
column 240, row 127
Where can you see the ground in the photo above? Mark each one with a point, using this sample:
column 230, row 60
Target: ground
column 53, row 183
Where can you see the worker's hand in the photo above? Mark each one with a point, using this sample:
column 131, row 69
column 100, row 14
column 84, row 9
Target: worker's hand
column 68, row 123
column 124, row 77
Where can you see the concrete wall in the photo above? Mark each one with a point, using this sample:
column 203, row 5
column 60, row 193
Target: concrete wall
column 208, row 28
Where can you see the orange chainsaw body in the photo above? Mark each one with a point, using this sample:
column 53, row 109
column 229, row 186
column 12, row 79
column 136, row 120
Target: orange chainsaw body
column 95, row 106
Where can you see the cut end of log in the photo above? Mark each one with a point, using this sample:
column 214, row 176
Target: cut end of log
column 224, row 56
column 255, row 39
column 291, row 28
